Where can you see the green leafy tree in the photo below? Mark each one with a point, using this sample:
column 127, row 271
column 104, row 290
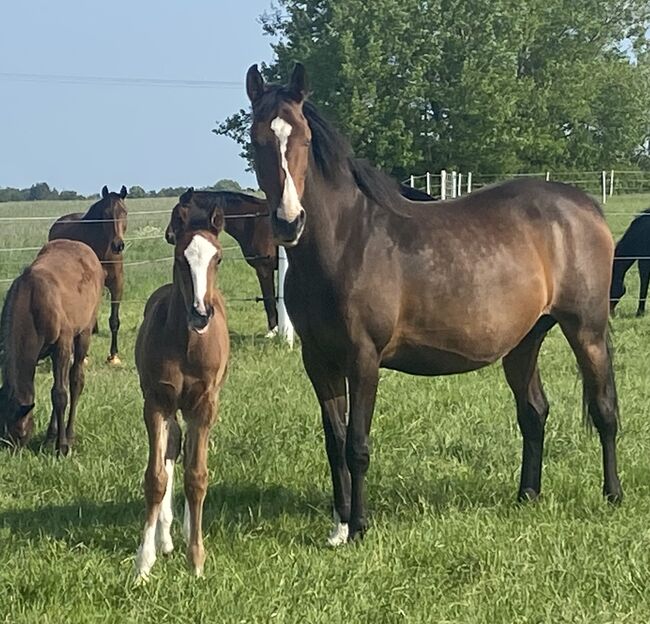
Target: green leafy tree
column 494, row 86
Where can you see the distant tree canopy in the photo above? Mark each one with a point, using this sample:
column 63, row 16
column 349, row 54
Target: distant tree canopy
column 42, row 191
column 487, row 85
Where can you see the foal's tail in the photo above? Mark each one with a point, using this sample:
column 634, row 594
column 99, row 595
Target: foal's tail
column 610, row 385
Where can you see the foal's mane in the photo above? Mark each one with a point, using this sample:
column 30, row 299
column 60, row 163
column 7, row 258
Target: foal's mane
column 226, row 200
column 333, row 153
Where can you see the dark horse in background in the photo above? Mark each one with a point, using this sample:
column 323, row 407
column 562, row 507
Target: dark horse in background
column 634, row 246
column 49, row 311
column 247, row 222
column 102, row 228
column 246, row 218
column 376, row 280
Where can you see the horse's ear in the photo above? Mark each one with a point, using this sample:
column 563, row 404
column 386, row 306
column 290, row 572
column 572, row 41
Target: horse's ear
column 186, row 197
column 217, row 220
column 175, row 224
column 298, row 83
column 105, row 191
column 123, row 192
column 254, row 84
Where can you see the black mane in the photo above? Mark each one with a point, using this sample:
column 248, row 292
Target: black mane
column 333, row 153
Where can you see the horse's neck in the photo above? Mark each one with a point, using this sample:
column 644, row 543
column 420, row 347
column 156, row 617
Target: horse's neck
column 22, row 350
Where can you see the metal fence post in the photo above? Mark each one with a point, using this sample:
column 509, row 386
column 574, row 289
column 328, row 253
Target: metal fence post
column 611, row 182
column 469, row 181
column 603, row 185
column 428, row 183
column 454, row 186
column 443, row 184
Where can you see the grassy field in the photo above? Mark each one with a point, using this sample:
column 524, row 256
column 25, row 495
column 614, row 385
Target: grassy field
column 448, row 543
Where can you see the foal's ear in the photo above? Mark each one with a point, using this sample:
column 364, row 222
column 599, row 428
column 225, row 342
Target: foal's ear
column 217, row 220
column 123, row 191
column 175, row 224
column 254, row 84
column 298, row 83
column 105, row 191
column 186, row 197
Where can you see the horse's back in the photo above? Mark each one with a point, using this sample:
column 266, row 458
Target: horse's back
column 68, row 226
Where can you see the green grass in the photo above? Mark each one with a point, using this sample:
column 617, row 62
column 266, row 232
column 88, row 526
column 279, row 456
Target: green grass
column 447, row 544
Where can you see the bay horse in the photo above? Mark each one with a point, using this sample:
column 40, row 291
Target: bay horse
column 427, row 288
column 181, row 354
column 49, row 311
column 246, row 220
column 634, row 246
column 102, row 227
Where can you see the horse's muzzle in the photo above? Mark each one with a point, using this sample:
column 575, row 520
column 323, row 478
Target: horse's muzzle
column 117, row 246
column 199, row 322
column 287, row 233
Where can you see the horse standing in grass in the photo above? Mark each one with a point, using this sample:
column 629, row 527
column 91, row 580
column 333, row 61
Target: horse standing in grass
column 634, row 246
column 181, row 354
column 246, row 220
column 376, row 280
column 102, row 227
column 49, row 310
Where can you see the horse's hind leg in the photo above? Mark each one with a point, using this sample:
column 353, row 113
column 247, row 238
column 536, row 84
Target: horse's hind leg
column 61, row 357
column 77, row 379
column 644, row 276
column 195, row 462
column 155, row 485
column 594, row 359
column 522, row 374
column 115, row 284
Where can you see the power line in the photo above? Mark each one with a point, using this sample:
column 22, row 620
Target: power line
column 120, row 81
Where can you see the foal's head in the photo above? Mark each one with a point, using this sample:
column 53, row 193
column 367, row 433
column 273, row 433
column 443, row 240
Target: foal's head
column 16, row 420
column 281, row 137
column 113, row 214
column 194, row 232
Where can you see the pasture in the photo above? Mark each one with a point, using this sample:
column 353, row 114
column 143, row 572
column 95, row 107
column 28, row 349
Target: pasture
column 447, row 541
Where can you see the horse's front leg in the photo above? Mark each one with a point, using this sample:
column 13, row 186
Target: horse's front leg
column 195, row 462
column 115, row 284
column 363, row 380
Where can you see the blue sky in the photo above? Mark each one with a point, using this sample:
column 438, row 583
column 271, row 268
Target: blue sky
column 82, row 136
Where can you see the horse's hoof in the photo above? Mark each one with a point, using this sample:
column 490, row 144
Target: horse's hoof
column 63, row 450
column 272, row 333
column 86, row 361
column 614, row 498
column 640, row 314
column 528, row 495
column 113, row 360
column 339, row 535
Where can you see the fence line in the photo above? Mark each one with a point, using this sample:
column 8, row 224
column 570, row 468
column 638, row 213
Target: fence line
column 253, row 215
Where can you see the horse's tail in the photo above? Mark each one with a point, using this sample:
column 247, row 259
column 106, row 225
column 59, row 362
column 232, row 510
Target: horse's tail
column 611, row 384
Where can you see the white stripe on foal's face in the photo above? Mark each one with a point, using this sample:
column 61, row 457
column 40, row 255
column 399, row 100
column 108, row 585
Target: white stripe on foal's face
column 198, row 254
column 290, row 206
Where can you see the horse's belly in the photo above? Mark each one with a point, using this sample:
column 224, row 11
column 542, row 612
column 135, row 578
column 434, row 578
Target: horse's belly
column 424, row 360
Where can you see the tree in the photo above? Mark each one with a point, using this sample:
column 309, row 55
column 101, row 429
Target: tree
column 489, row 85
column 136, row 192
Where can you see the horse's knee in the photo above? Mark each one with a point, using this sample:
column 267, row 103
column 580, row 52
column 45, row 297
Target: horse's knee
column 59, row 399
column 196, row 483
column 154, row 485
column 357, row 454
column 114, row 322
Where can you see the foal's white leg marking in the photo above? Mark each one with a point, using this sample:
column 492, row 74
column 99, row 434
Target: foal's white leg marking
column 186, row 522
column 164, row 543
column 272, row 333
column 198, row 254
column 146, row 555
column 340, row 532
column 290, row 205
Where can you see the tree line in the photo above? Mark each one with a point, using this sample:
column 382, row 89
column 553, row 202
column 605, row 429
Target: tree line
column 491, row 86
column 42, row 191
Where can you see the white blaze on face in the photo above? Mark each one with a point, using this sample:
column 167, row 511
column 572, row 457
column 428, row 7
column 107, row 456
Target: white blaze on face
column 198, row 254
column 290, row 206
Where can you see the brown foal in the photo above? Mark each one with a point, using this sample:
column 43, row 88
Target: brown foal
column 49, row 311
column 181, row 354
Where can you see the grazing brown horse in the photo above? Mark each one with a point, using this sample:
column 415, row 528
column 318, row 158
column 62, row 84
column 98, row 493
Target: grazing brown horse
column 102, row 227
column 634, row 246
column 376, row 280
column 246, row 219
column 181, row 354
column 49, row 310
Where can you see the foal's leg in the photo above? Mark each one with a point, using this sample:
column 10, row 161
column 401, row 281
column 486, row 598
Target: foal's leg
column 195, row 460
column 644, row 276
column 115, row 284
column 363, row 380
column 522, row 374
column 594, row 360
column 155, row 484
column 77, row 379
column 164, row 543
column 267, row 285
column 61, row 357
column 329, row 386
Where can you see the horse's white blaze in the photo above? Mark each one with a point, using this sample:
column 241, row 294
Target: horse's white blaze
column 198, row 254
column 290, row 205
column 340, row 532
column 164, row 543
